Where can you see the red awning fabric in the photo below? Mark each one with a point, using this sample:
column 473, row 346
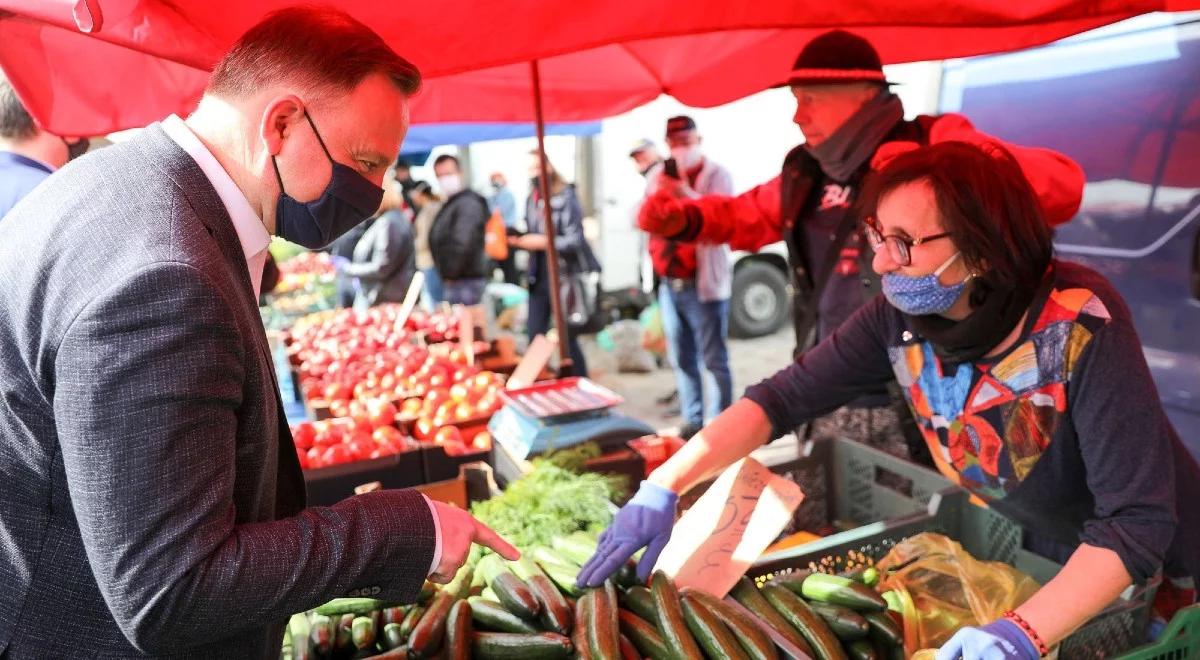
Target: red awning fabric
column 145, row 59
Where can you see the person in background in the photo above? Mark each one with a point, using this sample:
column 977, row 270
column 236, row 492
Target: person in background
column 28, row 154
column 501, row 201
column 456, row 237
column 574, row 253
column 852, row 124
column 384, row 260
column 341, row 251
column 645, row 156
column 694, row 282
column 428, row 204
column 403, row 176
column 154, row 505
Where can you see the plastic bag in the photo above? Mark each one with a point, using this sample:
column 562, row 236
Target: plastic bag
column 653, row 337
column 942, row 588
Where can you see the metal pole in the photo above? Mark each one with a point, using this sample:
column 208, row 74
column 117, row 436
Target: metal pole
column 564, row 354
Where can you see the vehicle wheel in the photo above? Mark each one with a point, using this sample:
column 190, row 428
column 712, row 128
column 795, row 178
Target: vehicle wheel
column 759, row 304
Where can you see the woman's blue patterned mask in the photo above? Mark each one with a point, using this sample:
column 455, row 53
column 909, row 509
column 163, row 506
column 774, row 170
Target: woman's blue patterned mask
column 919, row 296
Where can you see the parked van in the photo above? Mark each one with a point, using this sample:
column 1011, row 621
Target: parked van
column 1123, row 101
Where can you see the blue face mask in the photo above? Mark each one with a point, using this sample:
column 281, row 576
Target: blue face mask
column 348, row 200
column 920, row 296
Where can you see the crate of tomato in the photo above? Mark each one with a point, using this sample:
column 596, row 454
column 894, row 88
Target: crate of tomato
column 451, row 422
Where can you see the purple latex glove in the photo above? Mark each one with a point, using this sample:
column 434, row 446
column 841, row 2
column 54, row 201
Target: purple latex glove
column 644, row 522
column 999, row 640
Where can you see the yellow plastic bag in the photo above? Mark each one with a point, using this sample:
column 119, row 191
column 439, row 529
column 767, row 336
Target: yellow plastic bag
column 942, row 588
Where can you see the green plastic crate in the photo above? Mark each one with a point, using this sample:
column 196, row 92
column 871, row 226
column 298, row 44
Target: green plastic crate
column 1180, row 641
column 935, row 505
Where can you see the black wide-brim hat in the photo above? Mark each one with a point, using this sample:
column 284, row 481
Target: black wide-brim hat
column 837, row 57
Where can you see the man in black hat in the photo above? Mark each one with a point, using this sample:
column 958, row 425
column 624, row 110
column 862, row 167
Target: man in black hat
column 852, row 124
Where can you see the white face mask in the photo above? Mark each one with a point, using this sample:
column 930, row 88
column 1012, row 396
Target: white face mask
column 687, row 157
column 450, row 184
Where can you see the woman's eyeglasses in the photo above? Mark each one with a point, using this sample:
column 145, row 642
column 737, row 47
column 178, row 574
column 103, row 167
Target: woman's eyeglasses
column 899, row 247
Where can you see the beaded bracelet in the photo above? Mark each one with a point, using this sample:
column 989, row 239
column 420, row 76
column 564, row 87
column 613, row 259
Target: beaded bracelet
column 1029, row 632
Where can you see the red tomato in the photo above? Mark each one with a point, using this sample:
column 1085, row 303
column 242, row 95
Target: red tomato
column 337, row 455
column 459, row 393
column 315, row 459
column 336, row 391
column 464, row 411
column 385, row 434
column 455, row 449
column 363, row 423
column 482, row 380
column 339, row 408
column 425, row 428
column 361, row 449
column 303, row 434
column 381, row 413
column 482, row 441
column 437, row 380
column 411, row 407
column 448, row 434
column 327, row 438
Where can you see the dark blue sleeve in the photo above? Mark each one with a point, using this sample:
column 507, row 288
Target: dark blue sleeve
column 850, row 362
column 1127, row 449
column 570, row 234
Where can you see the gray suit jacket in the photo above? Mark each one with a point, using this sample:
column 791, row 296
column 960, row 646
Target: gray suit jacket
column 151, row 501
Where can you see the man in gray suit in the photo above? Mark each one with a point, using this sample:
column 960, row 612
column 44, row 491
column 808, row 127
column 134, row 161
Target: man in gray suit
column 151, row 502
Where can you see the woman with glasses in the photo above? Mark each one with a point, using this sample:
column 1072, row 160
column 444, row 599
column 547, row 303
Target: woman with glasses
column 1024, row 375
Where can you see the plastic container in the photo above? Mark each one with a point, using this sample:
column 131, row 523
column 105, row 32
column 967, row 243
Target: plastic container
column 1180, row 641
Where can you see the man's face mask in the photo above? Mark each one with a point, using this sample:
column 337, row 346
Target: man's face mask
column 76, row 150
column 349, row 199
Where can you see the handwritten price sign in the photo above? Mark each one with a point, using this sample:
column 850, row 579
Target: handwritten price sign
column 729, row 527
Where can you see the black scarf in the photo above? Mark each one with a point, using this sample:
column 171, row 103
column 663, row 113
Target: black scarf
column 968, row 340
column 857, row 140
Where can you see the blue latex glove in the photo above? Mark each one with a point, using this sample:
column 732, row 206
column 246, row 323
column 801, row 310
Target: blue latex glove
column 339, row 262
column 999, row 640
column 645, row 522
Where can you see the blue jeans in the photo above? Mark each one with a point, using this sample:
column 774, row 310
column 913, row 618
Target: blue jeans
column 539, row 322
column 463, row 292
column 432, row 289
column 696, row 334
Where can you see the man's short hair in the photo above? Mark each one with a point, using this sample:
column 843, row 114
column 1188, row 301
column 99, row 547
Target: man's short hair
column 15, row 122
column 318, row 48
column 447, row 158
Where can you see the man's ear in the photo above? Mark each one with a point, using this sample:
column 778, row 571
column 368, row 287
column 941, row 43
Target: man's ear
column 280, row 117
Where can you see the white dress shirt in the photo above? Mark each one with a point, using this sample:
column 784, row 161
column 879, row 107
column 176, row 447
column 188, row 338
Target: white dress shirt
column 254, row 237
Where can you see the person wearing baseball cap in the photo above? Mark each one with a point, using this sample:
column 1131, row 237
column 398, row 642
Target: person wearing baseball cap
column 645, row 156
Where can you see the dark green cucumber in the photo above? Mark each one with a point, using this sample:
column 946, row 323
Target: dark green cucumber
column 644, row 636
column 392, row 637
column 429, row 633
column 640, row 602
column 858, row 573
column 489, row 567
column 394, row 615
column 669, row 618
column 749, row 633
column 824, row 643
column 509, row 646
column 603, row 631
column 863, row 650
column 345, row 635
column 626, row 575
column 556, row 615
column 871, row 577
column 842, row 591
column 716, row 639
column 748, row 595
column 847, row 624
column 362, row 632
column 458, row 631
column 792, row 581
column 885, row 632
column 491, row 615
column 410, row 620
column 628, row 650
column 428, row 591
column 356, row 606
column 299, row 628
column 516, row 596
column 583, row 616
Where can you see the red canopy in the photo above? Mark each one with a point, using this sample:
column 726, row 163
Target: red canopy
column 148, row 58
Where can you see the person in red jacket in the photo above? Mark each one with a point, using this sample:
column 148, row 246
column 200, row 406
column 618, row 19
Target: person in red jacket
column 853, row 124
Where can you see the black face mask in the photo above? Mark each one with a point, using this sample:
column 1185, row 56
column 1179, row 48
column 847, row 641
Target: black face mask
column 76, row 150
column 349, row 199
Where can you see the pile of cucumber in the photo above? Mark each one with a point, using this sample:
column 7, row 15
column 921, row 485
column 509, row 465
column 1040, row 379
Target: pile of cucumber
column 531, row 609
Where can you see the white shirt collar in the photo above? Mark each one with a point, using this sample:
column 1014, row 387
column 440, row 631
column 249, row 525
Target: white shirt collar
column 251, row 232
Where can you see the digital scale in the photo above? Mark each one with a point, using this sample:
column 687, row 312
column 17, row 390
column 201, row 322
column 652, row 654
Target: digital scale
column 561, row 413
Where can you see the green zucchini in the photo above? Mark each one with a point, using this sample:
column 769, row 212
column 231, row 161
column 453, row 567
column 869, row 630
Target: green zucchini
column 626, row 575
column 344, row 639
column 716, row 639
column 509, row 646
column 299, row 628
column 577, row 548
column 362, row 632
column 460, row 586
column 458, row 631
column 863, row 650
column 792, row 581
column 428, row 591
column 628, row 650
column 669, row 618
column 644, row 636
column 842, row 591
column 640, row 602
column 544, row 555
column 847, row 624
column 749, row 633
column 556, row 615
column 752, row 599
column 491, row 566
column 885, row 632
column 491, row 615
column 429, row 633
column 603, row 632
column 824, row 643
column 410, row 620
column 356, row 606
column 564, row 579
column 393, row 637
column 516, row 596
column 322, row 634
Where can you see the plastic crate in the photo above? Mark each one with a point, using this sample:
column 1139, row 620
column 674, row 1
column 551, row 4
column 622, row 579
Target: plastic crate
column 1180, row 641
column 987, row 535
